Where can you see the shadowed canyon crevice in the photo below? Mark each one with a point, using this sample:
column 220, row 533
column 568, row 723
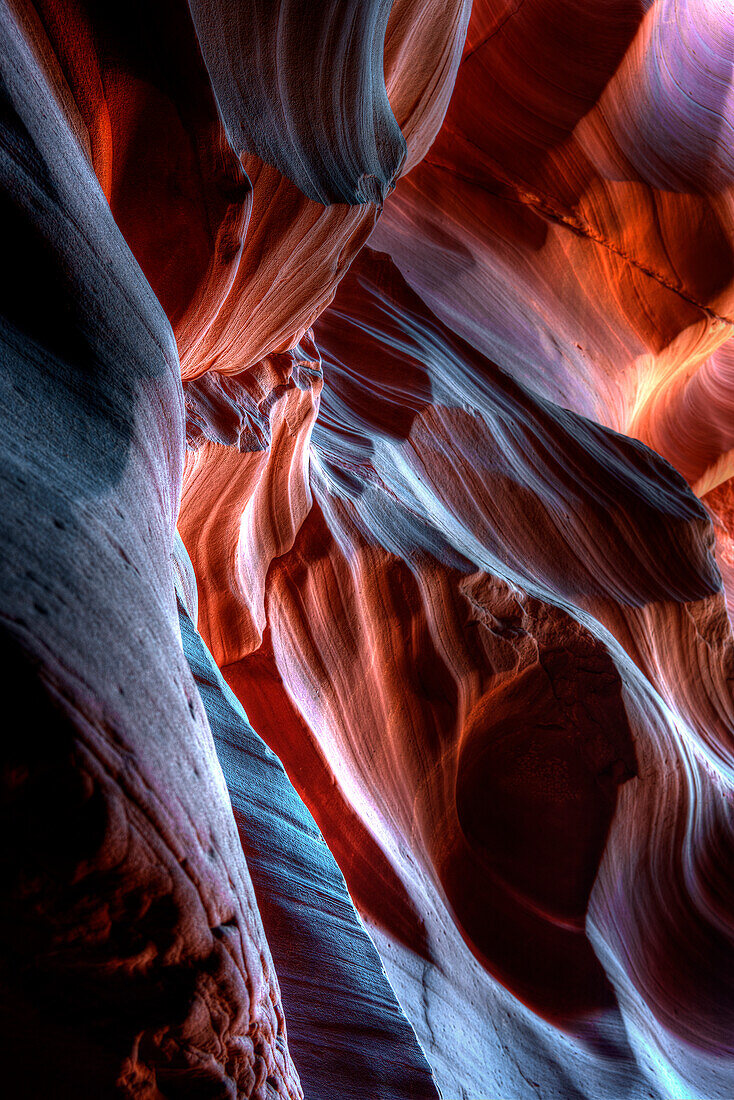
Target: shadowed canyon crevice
column 367, row 549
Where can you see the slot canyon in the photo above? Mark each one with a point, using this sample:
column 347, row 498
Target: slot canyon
column 367, row 568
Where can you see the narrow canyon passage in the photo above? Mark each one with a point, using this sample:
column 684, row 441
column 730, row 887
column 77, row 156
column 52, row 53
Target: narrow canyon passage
column 367, row 393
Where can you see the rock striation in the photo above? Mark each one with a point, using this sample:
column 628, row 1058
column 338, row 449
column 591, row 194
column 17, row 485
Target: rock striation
column 367, row 560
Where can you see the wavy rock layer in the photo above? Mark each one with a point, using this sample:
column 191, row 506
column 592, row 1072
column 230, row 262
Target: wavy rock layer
column 368, row 371
column 132, row 939
column 564, row 231
column 332, row 981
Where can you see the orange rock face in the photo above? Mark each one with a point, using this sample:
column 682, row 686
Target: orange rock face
column 368, row 549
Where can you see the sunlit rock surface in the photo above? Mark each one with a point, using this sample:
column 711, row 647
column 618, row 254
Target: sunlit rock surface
column 368, row 549
column 332, row 980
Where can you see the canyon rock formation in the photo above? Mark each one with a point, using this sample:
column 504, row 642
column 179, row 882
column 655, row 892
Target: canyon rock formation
column 368, row 549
